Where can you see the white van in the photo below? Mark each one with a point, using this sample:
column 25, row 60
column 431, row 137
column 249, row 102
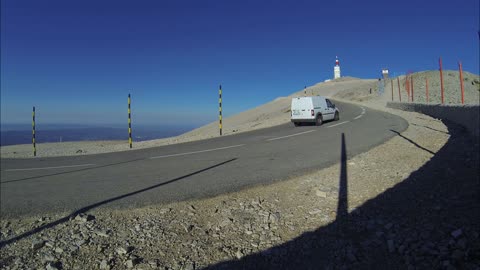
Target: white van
column 313, row 110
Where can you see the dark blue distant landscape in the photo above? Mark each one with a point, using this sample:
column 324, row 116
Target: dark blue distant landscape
column 12, row 134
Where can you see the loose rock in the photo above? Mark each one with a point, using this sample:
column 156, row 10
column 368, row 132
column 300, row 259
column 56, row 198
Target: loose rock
column 457, row 233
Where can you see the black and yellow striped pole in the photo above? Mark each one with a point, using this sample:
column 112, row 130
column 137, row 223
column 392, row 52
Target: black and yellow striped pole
column 33, row 133
column 129, row 122
column 220, row 109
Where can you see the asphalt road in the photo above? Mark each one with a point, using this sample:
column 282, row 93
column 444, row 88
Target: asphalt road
column 191, row 170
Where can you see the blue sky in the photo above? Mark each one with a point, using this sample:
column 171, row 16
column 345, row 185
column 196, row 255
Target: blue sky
column 76, row 61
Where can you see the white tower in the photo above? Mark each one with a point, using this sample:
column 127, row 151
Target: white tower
column 336, row 69
column 385, row 73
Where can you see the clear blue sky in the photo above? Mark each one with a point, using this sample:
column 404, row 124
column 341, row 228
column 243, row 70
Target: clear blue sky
column 76, row 61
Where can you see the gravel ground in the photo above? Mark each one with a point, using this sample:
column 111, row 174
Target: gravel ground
column 410, row 203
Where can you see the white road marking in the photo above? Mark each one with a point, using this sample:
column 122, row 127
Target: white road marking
column 363, row 110
column 341, row 123
column 50, row 168
column 296, row 134
column 196, row 152
column 358, row 117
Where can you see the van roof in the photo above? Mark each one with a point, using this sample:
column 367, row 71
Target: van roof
column 310, row 97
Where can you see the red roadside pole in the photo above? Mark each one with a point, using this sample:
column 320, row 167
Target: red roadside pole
column 392, row 88
column 399, row 94
column 407, row 87
column 461, row 80
column 411, row 81
column 426, row 87
column 441, row 78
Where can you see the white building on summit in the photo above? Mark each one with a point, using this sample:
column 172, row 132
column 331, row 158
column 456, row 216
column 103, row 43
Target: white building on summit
column 336, row 69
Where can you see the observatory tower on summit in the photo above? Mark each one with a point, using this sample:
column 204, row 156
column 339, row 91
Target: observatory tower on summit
column 336, row 69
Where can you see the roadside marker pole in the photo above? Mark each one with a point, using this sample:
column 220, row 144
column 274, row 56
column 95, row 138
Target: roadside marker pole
column 426, row 87
column 220, row 109
column 407, row 87
column 411, row 82
column 33, row 133
column 399, row 93
column 392, row 88
column 129, row 122
column 441, row 78
column 461, row 80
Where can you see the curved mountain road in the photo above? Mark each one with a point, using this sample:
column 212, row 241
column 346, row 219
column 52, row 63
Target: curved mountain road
column 189, row 170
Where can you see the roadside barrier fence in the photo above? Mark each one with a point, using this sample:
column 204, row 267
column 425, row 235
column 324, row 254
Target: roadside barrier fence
column 408, row 83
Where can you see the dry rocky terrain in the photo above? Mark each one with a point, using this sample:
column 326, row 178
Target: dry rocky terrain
column 410, row 203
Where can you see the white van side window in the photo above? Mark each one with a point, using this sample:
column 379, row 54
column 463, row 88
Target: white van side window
column 329, row 104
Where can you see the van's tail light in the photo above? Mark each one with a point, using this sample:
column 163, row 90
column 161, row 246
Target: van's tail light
column 313, row 112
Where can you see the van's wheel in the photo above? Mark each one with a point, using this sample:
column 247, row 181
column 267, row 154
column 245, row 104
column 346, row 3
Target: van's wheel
column 337, row 116
column 318, row 120
column 296, row 124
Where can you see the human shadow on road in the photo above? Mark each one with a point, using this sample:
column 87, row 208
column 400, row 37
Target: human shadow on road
column 430, row 220
column 95, row 205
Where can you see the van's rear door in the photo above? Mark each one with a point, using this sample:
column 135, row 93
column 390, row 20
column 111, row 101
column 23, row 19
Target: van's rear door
column 301, row 108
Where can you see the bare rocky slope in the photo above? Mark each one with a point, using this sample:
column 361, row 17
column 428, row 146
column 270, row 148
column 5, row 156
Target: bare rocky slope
column 411, row 203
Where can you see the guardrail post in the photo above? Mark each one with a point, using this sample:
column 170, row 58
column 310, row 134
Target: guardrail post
column 33, row 133
column 461, row 80
column 129, row 122
column 441, row 79
column 220, row 109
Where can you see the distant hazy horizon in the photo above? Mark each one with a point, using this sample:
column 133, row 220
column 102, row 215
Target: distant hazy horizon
column 13, row 134
column 28, row 126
